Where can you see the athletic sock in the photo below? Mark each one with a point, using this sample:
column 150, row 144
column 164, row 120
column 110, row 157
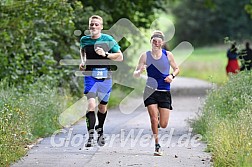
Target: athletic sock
column 101, row 119
column 90, row 120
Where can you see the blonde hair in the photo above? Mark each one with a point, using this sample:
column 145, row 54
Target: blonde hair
column 96, row 17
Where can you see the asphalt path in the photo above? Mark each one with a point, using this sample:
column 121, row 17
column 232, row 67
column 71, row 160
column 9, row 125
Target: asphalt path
column 129, row 139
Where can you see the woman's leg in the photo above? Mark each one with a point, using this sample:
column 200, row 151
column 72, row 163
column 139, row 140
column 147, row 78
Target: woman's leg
column 164, row 115
column 153, row 113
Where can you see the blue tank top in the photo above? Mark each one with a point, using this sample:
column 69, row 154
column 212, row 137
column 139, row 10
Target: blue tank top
column 157, row 71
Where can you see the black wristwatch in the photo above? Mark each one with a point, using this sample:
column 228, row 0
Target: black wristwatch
column 173, row 76
column 106, row 54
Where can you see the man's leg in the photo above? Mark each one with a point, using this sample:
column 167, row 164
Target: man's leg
column 90, row 86
column 101, row 114
column 90, row 120
column 103, row 97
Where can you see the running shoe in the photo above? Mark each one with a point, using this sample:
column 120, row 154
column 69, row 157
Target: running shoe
column 158, row 151
column 100, row 139
column 90, row 142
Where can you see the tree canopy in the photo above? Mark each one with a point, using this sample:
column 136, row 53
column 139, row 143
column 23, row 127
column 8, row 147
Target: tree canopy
column 205, row 22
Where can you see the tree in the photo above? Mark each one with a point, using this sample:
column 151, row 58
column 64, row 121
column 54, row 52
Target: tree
column 140, row 12
column 205, row 22
column 34, row 37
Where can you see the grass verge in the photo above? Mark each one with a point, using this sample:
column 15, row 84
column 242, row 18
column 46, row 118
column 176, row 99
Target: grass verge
column 26, row 115
column 225, row 122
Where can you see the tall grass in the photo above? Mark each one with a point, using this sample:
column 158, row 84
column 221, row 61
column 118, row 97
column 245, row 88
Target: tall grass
column 14, row 129
column 226, row 122
column 26, row 114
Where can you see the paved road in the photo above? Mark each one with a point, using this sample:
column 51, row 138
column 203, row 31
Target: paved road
column 128, row 136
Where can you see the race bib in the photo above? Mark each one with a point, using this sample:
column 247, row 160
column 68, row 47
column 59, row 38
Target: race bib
column 100, row 73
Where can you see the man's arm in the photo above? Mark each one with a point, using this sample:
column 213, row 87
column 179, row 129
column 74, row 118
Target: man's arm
column 83, row 59
column 117, row 56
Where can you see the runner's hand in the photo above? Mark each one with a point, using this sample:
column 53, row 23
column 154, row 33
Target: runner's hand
column 100, row 51
column 138, row 73
column 142, row 69
column 168, row 79
column 82, row 66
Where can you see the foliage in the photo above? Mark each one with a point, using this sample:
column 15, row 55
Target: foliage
column 15, row 132
column 34, row 39
column 141, row 12
column 27, row 116
column 248, row 8
column 225, row 121
column 205, row 22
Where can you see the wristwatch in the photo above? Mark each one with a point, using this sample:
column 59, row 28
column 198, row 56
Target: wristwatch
column 173, row 76
column 106, row 54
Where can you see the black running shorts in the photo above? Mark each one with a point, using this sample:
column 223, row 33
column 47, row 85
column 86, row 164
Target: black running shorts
column 161, row 98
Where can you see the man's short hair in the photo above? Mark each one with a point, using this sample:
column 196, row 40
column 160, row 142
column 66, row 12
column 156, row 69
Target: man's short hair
column 96, row 17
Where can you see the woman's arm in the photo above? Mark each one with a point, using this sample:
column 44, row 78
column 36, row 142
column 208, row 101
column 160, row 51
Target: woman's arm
column 141, row 66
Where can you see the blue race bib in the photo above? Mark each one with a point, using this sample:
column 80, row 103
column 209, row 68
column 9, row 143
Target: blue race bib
column 100, row 73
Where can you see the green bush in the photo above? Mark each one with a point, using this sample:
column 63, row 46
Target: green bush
column 225, row 122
